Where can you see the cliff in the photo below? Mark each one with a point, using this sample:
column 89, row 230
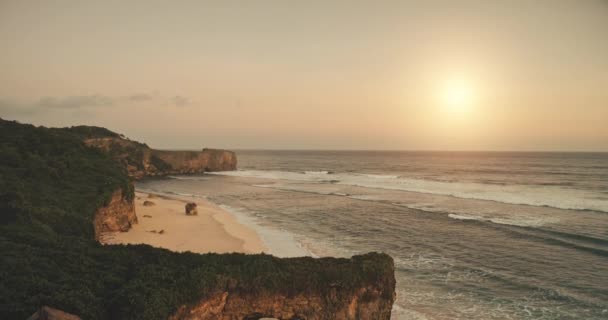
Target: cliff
column 47, row 313
column 193, row 161
column 117, row 215
column 142, row 161
column 371, row 298
column 56, row 194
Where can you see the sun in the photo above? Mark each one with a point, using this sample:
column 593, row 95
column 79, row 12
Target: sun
column 457, row 95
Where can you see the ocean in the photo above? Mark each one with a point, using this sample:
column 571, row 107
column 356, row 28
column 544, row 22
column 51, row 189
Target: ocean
column 474, row 235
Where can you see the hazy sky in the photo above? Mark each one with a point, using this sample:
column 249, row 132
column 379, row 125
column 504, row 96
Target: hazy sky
column 472, row 75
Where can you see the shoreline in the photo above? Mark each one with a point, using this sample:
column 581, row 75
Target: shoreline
column 164, row 224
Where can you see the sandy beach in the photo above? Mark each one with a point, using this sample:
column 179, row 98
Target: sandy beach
column 164, row 224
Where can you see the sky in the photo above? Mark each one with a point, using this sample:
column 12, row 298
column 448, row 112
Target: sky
column 384, row 75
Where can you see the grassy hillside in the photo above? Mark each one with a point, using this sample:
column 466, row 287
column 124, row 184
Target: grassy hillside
column 50, row 187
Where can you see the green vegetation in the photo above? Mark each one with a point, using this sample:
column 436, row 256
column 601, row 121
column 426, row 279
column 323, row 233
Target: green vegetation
column 129, row 153
column 89, row 132
column 125, row 151
column 159, row 164
column 50, row 187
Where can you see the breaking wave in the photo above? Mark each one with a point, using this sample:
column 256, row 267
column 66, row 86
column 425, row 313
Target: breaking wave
column 532, row 195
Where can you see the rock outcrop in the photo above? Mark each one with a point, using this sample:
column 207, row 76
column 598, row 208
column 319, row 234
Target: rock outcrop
column 117, row 215
column 142, row 161
column 191, row 209
column 191, row 161
column 48, row 313
column 332, row 301
column 43, row 220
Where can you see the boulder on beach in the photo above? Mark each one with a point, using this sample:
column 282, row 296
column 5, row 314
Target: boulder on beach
column 149, row 203
column 191, row 209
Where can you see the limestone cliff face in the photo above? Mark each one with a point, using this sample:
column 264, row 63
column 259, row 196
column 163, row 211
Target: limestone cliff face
column 367, row 303
column 189, row 161
column 117, row 215
column 332, row 302
column 48, row 313
column 142, row 161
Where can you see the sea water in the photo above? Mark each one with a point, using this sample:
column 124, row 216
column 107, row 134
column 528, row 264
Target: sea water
column 474, row 235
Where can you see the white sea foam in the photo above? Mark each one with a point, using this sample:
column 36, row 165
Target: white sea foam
column 196, row 178
column 513, row 221
column 280, row 243
column 339, row 194
column 270, row 174
column 186, row 195
column 316, row 172
column 550, row 196
column 380, row 176
column 470, row 212
column 171, row 193
column 364, row 197
column 463, row 217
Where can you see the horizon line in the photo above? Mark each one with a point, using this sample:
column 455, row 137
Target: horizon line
column 395, row 150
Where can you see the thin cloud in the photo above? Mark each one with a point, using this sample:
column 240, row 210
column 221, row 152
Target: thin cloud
column 8, row 107
column 179, row 101
column 88, row 102
column 75, row 102
column 11, row 106
column 140, row 97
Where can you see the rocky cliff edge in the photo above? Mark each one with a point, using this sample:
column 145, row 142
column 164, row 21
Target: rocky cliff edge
column 142, row 161
column 117, row 215
column 369, row 294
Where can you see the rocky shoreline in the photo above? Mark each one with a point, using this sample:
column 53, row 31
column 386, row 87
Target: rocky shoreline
column 59, row 194
column 143, row 161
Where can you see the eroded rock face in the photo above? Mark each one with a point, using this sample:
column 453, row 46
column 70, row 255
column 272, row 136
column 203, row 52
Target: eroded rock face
column 191, row 161
column 367, row 303
column 332, row 302
column 142, row 161
column 117, row 215
column 48, row 313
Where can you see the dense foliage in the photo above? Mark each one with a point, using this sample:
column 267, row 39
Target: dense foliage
column 131, row 154
column 89, row 132
column 50, row 186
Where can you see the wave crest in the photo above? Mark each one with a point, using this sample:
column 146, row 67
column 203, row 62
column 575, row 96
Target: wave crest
column 533, row 195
